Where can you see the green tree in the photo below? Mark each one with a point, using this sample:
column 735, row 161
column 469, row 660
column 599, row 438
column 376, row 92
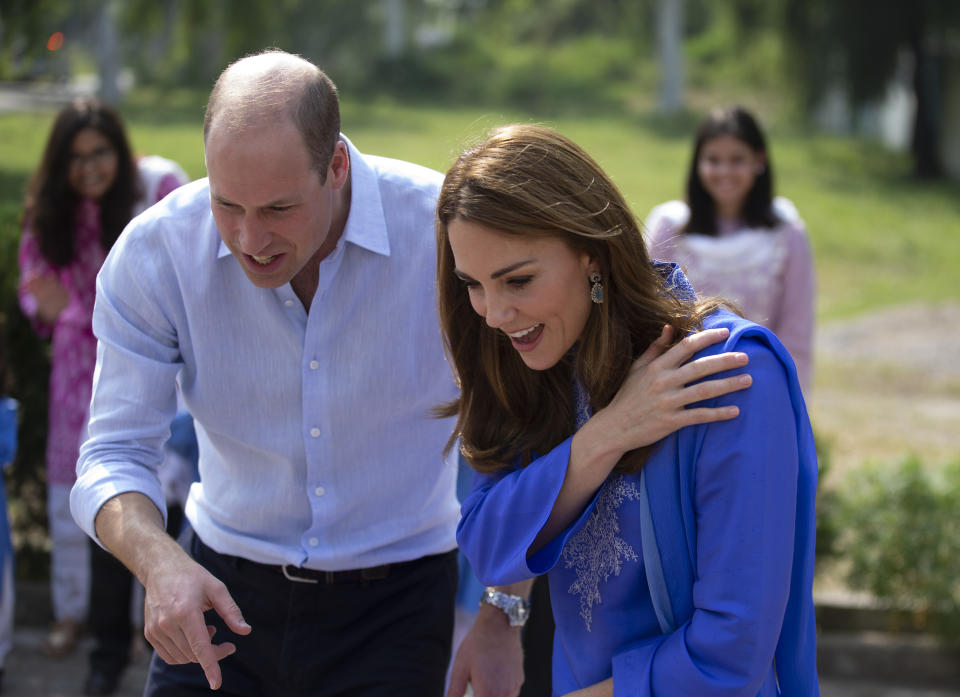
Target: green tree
column 857, row 44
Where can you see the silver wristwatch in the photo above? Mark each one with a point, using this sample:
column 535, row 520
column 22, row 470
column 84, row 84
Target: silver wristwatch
column 514, row 606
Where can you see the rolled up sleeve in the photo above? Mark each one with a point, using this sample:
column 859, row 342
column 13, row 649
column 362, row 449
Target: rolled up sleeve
column 134, row 386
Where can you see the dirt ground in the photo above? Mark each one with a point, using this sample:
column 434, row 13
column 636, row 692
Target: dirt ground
column 887, row 385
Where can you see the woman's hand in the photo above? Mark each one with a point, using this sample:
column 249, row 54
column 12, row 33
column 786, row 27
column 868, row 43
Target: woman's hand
column 50, row 295
column 600, row 689
column 651, row 403
column 648, row 406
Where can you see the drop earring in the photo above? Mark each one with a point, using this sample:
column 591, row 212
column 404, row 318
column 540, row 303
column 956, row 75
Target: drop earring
column 596, row 290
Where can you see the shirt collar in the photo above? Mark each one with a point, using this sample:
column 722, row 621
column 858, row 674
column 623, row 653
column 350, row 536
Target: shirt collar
column 366, row 225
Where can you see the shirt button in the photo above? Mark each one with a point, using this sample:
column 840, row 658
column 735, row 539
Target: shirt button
column 315, row 432
column 288, row 303
column 313, row 541
column 319, row 491
column 314, row 365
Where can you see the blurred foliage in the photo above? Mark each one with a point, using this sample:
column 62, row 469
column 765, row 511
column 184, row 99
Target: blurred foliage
column 901, row 537
column 571, row 52
column 861, row 45
column 858, row 42
column 827, row 502
column 28, row 368
column 587, row 54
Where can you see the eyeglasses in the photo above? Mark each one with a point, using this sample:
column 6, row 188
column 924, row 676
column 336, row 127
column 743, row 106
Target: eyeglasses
column 98, row 156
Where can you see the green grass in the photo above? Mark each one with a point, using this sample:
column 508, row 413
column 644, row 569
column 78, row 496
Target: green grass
column 879, row 237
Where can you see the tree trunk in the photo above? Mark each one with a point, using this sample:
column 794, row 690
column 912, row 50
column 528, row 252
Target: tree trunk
column 670, row 44
column 395, row 28
column 926, row 126
column 109, row 90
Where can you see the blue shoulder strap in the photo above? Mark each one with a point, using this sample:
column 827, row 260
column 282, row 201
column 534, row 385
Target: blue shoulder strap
column 659, row 593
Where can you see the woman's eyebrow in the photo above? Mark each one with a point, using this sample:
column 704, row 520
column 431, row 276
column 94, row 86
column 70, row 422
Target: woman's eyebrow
column 496, row 274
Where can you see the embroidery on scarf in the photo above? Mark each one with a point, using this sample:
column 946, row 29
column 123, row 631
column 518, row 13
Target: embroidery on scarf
column 597, row 551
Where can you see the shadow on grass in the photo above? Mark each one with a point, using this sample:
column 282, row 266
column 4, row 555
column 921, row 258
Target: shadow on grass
column 858, row 166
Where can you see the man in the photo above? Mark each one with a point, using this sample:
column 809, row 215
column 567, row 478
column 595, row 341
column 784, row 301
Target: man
column 291, row 297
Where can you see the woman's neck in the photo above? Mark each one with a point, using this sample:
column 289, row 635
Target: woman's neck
column 728, row 212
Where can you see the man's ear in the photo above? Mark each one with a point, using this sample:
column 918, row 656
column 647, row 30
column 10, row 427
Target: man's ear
column 339, row 168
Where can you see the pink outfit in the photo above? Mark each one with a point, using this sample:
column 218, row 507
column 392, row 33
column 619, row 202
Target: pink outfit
column 767, row 273
column 74, row 347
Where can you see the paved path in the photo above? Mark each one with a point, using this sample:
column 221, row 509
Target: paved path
column 31, row 674
column 49, row 96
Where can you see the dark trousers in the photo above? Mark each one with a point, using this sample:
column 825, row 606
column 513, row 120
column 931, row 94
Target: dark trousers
column 386, row 637
column 111, row 593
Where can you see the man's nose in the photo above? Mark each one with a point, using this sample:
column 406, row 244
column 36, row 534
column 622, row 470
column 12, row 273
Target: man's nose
column 254, row 237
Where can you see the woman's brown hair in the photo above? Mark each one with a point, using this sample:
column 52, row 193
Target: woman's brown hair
column 531, row 181
column 51, row 202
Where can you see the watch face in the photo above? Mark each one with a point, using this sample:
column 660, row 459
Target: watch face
column 521, row 611
column 518, row 611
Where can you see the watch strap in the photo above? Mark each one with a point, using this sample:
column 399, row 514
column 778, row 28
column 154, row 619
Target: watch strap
column 515, row 607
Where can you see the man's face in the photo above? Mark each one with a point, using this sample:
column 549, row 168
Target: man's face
column 271, row 209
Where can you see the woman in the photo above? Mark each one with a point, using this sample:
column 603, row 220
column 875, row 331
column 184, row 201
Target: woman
column 734, row 239
column 87, row 188
column 680, row 562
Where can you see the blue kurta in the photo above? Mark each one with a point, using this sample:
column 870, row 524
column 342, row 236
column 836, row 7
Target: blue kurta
column 732, row 504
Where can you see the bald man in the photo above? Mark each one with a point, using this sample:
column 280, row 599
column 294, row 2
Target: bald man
column 290, row 298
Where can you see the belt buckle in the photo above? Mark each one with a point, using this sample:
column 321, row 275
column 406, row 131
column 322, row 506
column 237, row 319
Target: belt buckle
column 299, row 579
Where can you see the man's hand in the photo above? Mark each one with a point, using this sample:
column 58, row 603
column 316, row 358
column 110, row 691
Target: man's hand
column 490, row 658
column 178, row 592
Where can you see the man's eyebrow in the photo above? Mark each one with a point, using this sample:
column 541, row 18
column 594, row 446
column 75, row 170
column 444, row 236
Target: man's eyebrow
column 498, row 273
column 282, row 202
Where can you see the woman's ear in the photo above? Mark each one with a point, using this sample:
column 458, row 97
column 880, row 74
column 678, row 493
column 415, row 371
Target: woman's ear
column 761, row 163
column 591, row 264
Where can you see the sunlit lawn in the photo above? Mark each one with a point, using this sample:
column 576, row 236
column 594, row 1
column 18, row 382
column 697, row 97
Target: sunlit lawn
column 879, row 237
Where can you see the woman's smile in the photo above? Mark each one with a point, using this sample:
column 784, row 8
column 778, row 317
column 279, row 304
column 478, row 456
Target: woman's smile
column 533, row 289
column 526, row 339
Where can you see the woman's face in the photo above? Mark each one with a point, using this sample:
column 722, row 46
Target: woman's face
column 727, row 168
column 92, row 165
column 534, row 290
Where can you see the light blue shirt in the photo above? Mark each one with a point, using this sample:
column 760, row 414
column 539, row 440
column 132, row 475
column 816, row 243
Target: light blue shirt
column 318, row 446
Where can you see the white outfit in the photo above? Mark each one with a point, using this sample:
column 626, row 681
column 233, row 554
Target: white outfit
column 768, row 272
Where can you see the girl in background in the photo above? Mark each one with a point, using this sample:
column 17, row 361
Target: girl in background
column 735, row 240
column 87, row 188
